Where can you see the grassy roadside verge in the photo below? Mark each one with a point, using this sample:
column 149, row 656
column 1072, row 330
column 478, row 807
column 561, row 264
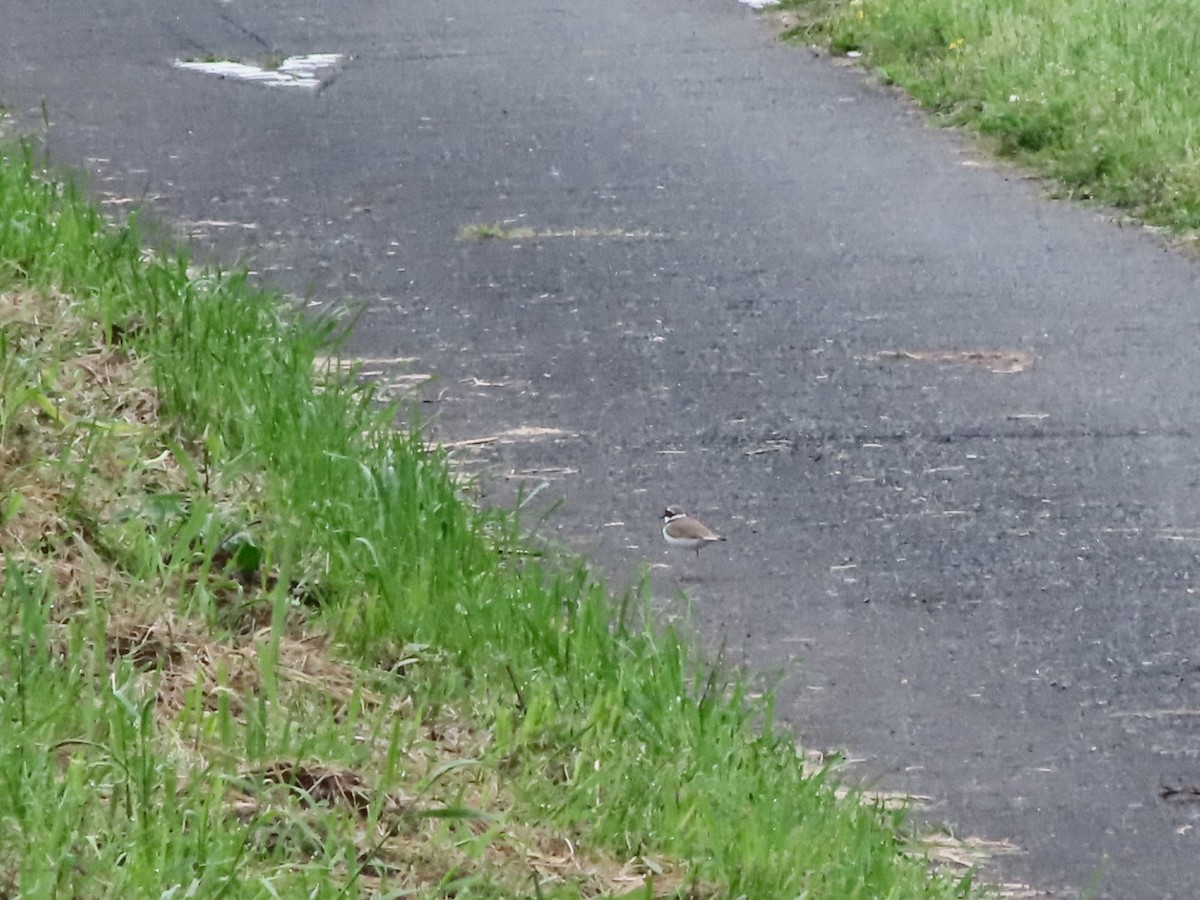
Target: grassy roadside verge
column 1101, row 96
column 258, row 645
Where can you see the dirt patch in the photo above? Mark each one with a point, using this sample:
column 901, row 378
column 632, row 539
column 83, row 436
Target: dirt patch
column 999, row 362
column 505, row 231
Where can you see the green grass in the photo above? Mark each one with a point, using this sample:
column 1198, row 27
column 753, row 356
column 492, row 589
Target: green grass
column 1100, row 95
column 259, row 644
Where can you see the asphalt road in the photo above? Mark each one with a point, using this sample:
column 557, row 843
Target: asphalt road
column 755, row 290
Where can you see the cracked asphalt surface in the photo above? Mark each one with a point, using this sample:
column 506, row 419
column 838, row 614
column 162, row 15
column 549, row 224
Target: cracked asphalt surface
column 978, row 573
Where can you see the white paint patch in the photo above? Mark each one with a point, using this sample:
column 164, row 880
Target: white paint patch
column 759, row 4
column 295, row 71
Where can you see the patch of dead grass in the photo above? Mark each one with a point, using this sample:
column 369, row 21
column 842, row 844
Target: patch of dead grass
column 185, row 658
column 999, row 362
column 77, row 421
column 507, row 231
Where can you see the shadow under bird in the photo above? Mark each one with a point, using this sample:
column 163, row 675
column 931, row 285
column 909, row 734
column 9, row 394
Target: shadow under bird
column 682, row 530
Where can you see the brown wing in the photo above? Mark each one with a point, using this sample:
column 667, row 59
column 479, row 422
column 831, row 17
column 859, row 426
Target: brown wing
column 692, row 529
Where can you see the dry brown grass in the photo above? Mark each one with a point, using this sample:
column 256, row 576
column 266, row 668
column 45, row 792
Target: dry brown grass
column 999, row 362
column 79, row 420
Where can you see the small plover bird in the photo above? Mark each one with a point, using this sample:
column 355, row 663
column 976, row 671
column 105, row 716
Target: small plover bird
column 682, row 530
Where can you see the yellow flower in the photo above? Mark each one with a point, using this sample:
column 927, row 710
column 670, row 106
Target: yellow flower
column 955, row 45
